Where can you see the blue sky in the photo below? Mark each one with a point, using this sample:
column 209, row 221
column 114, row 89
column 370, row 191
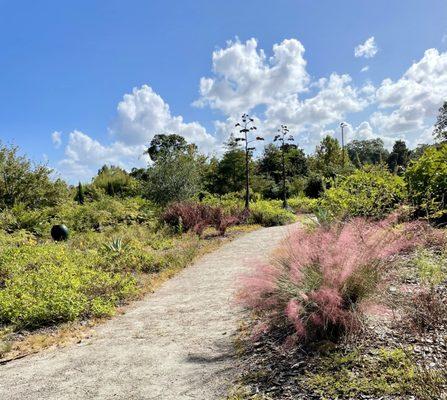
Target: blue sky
column 65, row 67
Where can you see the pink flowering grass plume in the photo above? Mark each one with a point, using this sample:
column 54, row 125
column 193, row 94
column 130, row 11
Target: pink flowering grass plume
column 319, row 279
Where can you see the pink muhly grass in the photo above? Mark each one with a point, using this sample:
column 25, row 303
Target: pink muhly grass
column 320, row 277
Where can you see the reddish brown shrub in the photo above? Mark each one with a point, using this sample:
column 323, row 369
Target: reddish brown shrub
column 196, row 217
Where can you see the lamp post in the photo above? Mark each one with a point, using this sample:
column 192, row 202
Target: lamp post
column 247, row 126
column 342, row 126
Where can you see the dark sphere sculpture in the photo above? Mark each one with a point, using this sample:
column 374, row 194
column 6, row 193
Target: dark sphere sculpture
column 59, row 232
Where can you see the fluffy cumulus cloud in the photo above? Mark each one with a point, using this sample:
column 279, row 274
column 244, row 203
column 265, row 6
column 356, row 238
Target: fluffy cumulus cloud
column 276, row 89
column 335, row 98
column 368, row 49
column 143, row 114
column 140, row 115
column 279, row 89
column 245, row 78
column 84, row 156
column 408, row 104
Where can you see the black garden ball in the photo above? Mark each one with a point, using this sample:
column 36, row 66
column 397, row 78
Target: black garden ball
column 59, row 232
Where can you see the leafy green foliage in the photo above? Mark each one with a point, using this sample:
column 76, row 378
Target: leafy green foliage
column 362, row 152
column 269, row 213
column 399, row 157
column 174, row 178
column 23, row 183
column 328, row 158
column 303, row 205
column 47, row 284
column 427, row 183
column 167, row 146
column 116, row 182
column 440, row 131
column 371, row 192
column 270, row 167
column 228, row 174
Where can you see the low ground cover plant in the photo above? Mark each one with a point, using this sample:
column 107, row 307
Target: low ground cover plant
column 318, row 281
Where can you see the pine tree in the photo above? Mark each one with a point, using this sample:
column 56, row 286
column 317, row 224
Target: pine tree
column 80, row 198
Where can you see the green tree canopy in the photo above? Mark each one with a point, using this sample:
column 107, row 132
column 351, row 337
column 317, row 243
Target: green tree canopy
column 25, row 183
column 399, row 157
column 176, row 175
column 229, row 173
column 362, row 152
column 328, row 158
column 440, row 131
column 114, row 180
column 163, row 145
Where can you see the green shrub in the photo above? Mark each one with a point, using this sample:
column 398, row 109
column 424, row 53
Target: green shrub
column 42, row 285
column 369, row 192
column 269, row 213
column 427, row 183
column 304, row 205
column 21, row 182
column 116, row 182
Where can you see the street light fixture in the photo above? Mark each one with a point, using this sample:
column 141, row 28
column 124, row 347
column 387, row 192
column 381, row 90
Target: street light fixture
column 342, row 126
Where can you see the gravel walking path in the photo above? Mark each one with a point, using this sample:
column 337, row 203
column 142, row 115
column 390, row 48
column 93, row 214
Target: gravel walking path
column 176, row 344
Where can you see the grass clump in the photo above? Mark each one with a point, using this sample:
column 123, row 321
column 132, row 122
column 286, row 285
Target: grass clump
column 320, row 278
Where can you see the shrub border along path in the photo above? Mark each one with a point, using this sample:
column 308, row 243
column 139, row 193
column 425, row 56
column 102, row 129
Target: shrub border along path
column 174, row 344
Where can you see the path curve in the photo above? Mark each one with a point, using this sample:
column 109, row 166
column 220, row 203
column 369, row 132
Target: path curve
column 175, row 344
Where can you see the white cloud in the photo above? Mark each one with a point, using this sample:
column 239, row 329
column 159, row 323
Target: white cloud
column 245, row 78
column 56, row 138
column 84, row 156
column 368, row 49
column 414, row 98
column 334, row 100
column 140, row 115
column 365, row 68
column 143, row 114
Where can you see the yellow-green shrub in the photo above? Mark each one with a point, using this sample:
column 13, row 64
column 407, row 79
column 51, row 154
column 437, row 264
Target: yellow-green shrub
column 269, row 213
column 303, row 204
column 52, row 283
column 369, row 192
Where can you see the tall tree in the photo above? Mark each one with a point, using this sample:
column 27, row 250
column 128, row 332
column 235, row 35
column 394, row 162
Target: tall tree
column 174, row 176
column 162, row 145
column 229, row 172
column 363, row 152
column 328, row 158
column 80, row 198
column 399, row 157
column 440, row 131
